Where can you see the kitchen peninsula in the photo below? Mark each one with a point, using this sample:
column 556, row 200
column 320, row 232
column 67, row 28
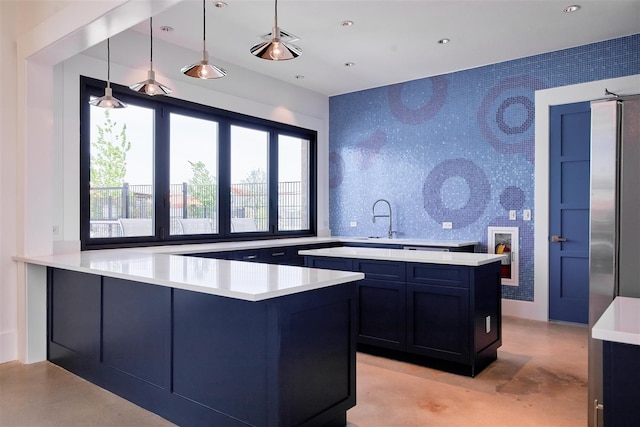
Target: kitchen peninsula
column 204, row 341
column 198, row 338
column 442, row 309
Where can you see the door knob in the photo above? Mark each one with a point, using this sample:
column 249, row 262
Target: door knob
column 556, row 239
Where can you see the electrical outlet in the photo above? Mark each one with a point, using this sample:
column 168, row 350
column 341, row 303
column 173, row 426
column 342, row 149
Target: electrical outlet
column 447, row 225
column 512, row 215
column 487, row 324
column 353, row 224
column 526, row 214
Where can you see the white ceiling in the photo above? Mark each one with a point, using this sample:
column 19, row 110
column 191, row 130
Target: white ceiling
column 390, row 41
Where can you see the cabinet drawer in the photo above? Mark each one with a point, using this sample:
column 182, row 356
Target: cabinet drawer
column 329, row 263
column 277, row 255
column 443, row 275
column 380, row 270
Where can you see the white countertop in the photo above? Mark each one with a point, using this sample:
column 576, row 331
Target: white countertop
column 235, row 279
column 430, row 257
column 620, row 322
column 164, row 265
column 409, row 242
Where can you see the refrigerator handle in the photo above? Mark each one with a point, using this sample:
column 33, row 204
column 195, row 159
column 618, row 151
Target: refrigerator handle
column 596, row 408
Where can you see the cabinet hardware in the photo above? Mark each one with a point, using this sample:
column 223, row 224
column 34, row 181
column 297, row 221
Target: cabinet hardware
column 277, row 254
column 556, row 239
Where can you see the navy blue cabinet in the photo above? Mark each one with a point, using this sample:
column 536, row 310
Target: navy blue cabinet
column 381, row 298
column 454, row 313
column 427, row 312
column 283, row 255
column 621, row 384
column 203, row 360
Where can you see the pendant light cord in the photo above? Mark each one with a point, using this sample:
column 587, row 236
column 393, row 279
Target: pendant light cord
column 204, row 25
column 151, row 37
column 275, row 18
column 108, row 63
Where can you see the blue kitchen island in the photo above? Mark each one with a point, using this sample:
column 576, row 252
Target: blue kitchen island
column 441, row 309
column 204, row 341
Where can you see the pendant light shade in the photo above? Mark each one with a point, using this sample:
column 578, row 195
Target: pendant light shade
column 275, row 49
column 151, row 86
column 108, row 101
column 202, row 69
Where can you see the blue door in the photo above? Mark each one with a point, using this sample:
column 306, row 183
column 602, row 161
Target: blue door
column 570, row 131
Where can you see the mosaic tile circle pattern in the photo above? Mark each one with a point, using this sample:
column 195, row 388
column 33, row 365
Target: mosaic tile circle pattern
column 414, row 116
column 507, row 114
column 479, row 191
column 512, row 198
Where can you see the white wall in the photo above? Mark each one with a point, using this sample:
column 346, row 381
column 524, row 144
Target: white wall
column 8, row 118
column 39, row 136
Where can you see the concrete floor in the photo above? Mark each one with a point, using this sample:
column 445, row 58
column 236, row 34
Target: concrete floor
column 539, row 379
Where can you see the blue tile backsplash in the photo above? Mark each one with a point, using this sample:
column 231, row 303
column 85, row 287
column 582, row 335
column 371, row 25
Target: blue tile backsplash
column 457, row 148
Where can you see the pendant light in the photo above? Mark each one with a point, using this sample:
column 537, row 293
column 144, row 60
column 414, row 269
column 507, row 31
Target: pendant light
column 202, row 69
column 151, row 86
column 276, row 49
column 108, row 101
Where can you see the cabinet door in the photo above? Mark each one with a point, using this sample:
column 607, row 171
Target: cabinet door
column 381, row 313
column 438, row 322
column 621, row 383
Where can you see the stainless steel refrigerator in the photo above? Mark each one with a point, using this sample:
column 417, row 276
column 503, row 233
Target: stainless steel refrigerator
column 614, row 255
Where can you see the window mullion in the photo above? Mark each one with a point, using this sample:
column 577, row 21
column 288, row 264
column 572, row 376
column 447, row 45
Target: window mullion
column 224, row 179
column 161, row 172
column 272, row 178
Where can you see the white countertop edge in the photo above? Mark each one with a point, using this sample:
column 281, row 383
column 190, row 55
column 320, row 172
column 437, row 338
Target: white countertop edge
column 620, row 322
column 408, row 242
column 333, row 278
column 428, row 257
column 264, row 295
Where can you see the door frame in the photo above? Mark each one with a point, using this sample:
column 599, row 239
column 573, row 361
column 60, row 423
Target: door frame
column 539, row 308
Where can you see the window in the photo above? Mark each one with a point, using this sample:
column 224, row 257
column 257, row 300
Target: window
column 293, row 183
column 193, row 175
column 167, row 171
column 249, row 190
column 121, row 172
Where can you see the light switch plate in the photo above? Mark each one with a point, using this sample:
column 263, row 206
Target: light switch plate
column 512, row 215
column 526, row 214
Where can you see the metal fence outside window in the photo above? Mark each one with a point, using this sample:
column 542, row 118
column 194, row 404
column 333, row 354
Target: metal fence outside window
column 248, row 200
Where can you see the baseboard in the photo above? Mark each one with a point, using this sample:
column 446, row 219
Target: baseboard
column 523, row 310
column 8, row 346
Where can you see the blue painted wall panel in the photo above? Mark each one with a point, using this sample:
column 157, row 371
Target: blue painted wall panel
column 457, row 147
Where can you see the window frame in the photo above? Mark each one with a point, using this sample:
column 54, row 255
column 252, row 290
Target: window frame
column 163, row 107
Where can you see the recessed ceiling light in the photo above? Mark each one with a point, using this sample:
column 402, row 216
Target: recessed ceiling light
column 219, row 4
column 346, row 23
column 571, row 8
column 444, row 41
column 349, row 64
column 166, row 28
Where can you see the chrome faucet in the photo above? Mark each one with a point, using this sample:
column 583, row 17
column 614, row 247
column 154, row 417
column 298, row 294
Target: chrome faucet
column 389, row 215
